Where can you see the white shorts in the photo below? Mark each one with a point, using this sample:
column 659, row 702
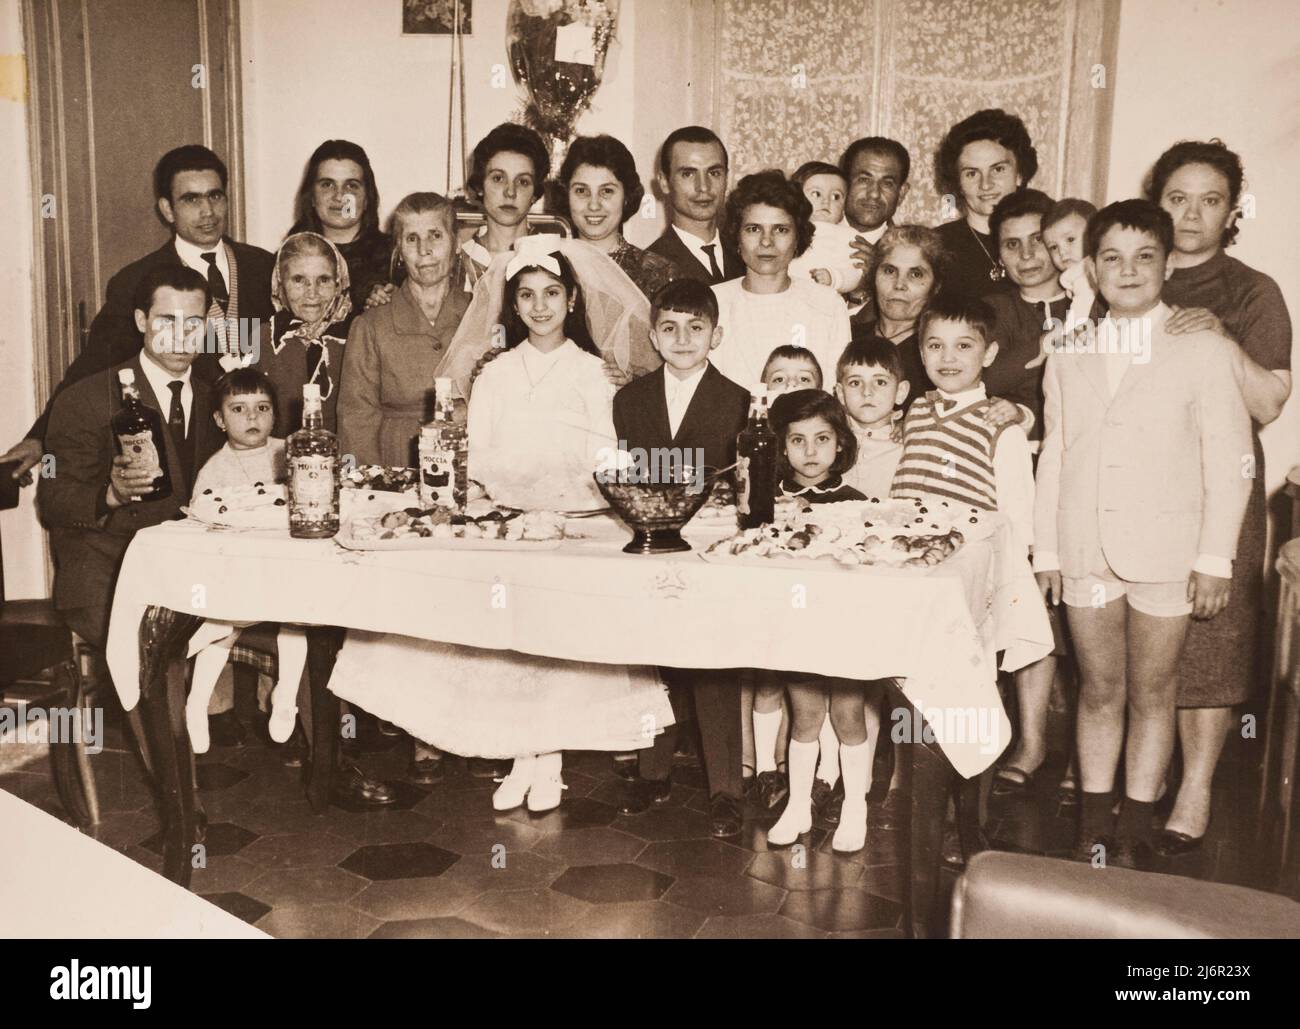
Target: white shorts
column 1159, row 599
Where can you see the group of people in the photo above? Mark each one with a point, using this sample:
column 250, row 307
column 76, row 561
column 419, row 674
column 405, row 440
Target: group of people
column 1098, row 377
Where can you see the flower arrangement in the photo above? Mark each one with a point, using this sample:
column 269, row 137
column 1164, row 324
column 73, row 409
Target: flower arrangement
column 558, row 91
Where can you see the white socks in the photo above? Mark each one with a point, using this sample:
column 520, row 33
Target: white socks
column 515, row 786
column 851, row 834
column 828, row 766
column 548, row 786
column 767, row 725
column 291, row 643
column 796, row 819
column 208, row 664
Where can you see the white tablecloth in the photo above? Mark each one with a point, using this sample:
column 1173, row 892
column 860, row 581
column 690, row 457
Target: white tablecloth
column 586, row 601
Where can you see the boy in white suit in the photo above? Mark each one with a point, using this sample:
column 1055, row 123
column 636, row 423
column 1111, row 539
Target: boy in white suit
column 1142, row 485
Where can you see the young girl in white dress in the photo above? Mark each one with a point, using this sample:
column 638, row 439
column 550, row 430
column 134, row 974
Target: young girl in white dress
column 538, row 414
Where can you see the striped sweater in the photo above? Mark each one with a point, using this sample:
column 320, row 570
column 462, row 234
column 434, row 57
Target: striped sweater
column 948, row 455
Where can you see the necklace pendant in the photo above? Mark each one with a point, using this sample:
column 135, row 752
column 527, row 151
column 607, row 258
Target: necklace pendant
column 996, row 273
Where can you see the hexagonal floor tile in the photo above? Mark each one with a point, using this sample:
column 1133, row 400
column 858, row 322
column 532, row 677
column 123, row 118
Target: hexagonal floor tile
column 433, row 929
column 756, row 927
column 534, row 912
column 238, row 904
column 739, row 896
column 298, row 850
column 840, row 910
column 412, row 899
column 609, row 884
column 695, row 857
column 217, row 775
column 792, row 869
column 399, row 861
column 640, row 920
column 666, row 823
column 573, row 813
column 305, row 886
column 317, row 922
column 221, row 840
column 600, row 846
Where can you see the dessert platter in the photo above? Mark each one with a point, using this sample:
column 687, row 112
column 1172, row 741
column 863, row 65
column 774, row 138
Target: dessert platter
column 892, row 533
column 483, row 526
column 258, row 506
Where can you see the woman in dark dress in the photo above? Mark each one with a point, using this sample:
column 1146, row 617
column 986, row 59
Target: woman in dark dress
column 598, row 190
column 1199, row 184
column 982, row 159
column 339, row 200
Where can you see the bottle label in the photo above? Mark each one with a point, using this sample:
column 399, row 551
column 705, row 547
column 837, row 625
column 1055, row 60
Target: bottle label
column 313, row 486
column 437, row 477
column 742, row 485
column 140, row 448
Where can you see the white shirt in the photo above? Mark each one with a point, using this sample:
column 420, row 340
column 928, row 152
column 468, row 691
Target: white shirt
column 192, row 256
column 1013, row 471
column 679, row 394
column 160, row 380
column 696, row 246
column 831, row 249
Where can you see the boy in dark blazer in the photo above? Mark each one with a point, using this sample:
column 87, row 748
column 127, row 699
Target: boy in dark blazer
column 90, row 503
column 690, row 406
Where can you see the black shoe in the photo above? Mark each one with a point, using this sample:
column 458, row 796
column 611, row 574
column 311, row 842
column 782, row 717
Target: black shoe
column 1175, row 844
column 827, row 801
column 387, row 728
column 225, row 730
column 425, row 771
column 1086, row 849
column 293, row 752
column 643, row 794
column 352, row 788
column 771, row 788
column 487, row 768
column 627, row 767
column 1135, row 854
column 724, row 817
column 891, row 815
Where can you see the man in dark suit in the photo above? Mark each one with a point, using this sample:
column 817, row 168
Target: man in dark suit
column 190, row 186
column 92, row 504
column 876, row 169
column 693, row 178
column 689, row 407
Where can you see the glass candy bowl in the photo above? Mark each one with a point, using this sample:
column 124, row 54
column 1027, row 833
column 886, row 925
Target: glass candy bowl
column 655, row 511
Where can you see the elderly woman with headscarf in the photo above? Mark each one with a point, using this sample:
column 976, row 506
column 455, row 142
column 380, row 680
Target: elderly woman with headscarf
column 304, row 341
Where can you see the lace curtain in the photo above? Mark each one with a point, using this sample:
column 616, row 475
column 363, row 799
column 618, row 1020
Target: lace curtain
column 797, row 80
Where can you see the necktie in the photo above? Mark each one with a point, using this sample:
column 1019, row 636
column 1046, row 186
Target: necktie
column 216, row 281
column 714, row 270
column 176, row 414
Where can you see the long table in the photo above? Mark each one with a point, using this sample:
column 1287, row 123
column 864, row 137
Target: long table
column 937, row 630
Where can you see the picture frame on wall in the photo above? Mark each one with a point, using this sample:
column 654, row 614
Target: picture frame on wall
column 435, row 17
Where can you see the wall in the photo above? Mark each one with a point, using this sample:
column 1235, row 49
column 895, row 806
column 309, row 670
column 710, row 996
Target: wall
column 24, row 555
column 1231, row 69
column 389, row 93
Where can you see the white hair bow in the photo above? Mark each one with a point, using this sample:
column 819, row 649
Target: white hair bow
column 535, row 252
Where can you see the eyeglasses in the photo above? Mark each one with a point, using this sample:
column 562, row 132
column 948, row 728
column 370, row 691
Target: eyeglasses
column 191, row 201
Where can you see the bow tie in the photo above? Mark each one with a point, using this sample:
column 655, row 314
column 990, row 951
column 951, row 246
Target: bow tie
column 940, row 402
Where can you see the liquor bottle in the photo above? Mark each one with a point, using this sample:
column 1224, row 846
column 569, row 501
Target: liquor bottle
column 138, row 433
column 756, row 465
column 312, row 454
column 444, row 454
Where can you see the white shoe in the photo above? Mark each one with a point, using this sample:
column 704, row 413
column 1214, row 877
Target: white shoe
column 795, row 820
column 514, row 787
column 281, row 723
column 851, row 834
column 546, row 794
column 196, row 721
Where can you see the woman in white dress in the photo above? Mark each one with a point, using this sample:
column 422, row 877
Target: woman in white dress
column 538, row 414
column 769, row 221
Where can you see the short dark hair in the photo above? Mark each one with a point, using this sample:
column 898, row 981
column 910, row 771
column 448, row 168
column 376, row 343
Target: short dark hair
column 789, row 352
column 773, row 189
column 871, row 352
column 685, row 296
column 1213, row 152
column 956, row 307
column 808, row 169
column 800, row 404
column 508, row 138
column 304, row 209
column 1140, row 215
column 1066, row 207
column 603, row 152
column 1017, row 205
column 994, row 123
column 190, row 157
column 688, row 134
column 239, row 381
column 878, row 145
column 180, row 277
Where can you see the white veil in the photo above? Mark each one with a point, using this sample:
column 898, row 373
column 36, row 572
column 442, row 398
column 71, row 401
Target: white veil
column 618, row 314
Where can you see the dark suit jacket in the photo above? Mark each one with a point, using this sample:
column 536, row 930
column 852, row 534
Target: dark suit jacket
column 88, row 548
column 670, row 245
column 714, row 418
column 114, row 339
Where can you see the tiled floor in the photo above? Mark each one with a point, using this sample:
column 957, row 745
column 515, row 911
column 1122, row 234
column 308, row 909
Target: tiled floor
column 442, row 864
